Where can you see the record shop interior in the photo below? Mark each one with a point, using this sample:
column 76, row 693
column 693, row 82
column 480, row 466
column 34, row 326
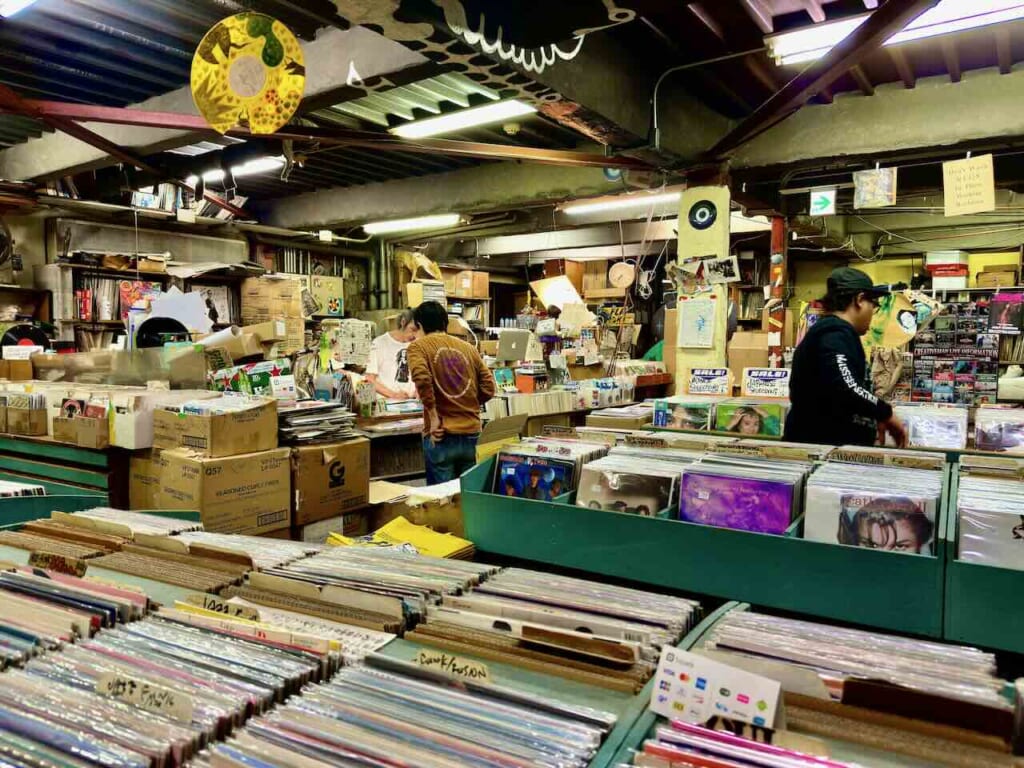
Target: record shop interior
column 592, row 384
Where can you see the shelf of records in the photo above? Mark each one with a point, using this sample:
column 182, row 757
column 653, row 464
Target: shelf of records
column 744, row 694
column 134, row 640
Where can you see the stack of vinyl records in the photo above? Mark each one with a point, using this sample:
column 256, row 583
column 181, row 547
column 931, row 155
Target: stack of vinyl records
column 934, row 426
column 151, row 693
column 991, row 525
column 638, row 485
column 574, row 628
column 682, row 744
column 890, row 508
column 999, row 429
column 209, row 572
column 10, row 489
column 394, row 713
column 395, row 586
column 543, row 469
column 130, row 523
column 259, row 551
column 310, row 421
column 45, row 610
column 838, row 655
column 749, row 494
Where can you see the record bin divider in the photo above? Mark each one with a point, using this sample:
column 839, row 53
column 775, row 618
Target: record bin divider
column 643, row 725
column 983, row 602
column 887, row 590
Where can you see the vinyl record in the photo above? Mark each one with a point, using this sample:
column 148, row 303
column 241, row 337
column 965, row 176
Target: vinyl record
column 155, row 332
column 24, row 335
column 248, row 68
column 702, row 214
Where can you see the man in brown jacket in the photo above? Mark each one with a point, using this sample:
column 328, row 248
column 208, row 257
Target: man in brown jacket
column 453, row 382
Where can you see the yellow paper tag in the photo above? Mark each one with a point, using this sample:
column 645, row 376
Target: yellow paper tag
column 147, row 696
column 215, row 604
column 453, row 665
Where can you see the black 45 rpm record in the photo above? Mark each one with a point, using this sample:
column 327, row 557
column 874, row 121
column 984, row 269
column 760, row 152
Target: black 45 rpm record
column 24, row 335
column 702, row 214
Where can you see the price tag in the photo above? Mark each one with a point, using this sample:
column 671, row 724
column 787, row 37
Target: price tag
column 455, row 666
column 766, row 382
column 709, row 381
column 147, row 696
column 71, row 566
column 219, row 605
column 646, row 442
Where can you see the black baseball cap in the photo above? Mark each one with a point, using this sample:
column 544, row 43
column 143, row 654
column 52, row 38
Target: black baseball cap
column 846, row 281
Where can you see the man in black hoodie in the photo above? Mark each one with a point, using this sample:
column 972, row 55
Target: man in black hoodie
column 829, row 386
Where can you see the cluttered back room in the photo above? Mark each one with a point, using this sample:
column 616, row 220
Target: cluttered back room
column 445, row 383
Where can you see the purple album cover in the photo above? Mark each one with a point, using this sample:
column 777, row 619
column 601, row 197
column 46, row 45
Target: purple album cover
column 725, row 501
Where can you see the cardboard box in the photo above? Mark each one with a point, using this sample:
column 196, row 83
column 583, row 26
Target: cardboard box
column 83, row 432
column 3, row 418
column 249, row 494
column 423, row 290
column 390, row 501
column 26, row 421
column 451, row 278
column 1001, row 279
column 131, row 426
column 669, row 350
column 19, row 370
column 949, row 283
column 472, row 285
column 499, row 433
column 270, row 331
column 329, row 293
column 271, row 298
column 228, row 434
column 329, row 479
column 489, row 348
column 352, row 524
column 748, row 349
column 239, row 347
column 791, row 325
column 144, row 479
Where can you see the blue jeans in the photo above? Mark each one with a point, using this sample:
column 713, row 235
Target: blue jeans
column 449, row 458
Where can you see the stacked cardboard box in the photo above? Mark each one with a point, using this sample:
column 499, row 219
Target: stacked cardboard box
column 267, row 299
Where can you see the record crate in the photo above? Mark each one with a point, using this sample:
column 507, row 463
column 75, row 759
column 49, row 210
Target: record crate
column 983, row 605
column 888, row 590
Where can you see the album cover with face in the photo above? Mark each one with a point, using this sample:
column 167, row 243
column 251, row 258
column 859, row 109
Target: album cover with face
column 533, row 477
column 631, row 492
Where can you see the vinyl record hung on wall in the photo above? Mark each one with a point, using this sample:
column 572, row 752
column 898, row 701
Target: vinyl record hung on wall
column 24, row 335
column 248, row 68
column 702, row 214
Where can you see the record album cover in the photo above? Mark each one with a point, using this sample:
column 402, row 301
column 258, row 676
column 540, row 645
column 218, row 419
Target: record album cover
column 750, row 419
column 533, row 477
column 749, row 504
column 629, row 492
column 875, row 521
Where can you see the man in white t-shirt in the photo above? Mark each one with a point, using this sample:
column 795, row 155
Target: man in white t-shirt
column 388, row 368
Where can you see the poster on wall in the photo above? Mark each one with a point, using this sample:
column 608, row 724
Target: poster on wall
column 969, row 186
column 697, row 323
column 875, row 188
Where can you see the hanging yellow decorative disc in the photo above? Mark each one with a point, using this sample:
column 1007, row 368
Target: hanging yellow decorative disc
column 249, row 68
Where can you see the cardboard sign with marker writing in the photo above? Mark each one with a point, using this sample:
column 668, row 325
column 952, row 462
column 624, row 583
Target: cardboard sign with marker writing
column 456, row 666
column 709, row 381
column 766, row 382
column 147, row 696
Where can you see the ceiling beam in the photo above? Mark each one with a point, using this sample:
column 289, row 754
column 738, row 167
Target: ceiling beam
column 883, row 23
column 814, row 10
column 328, row 136
column 1004, row 51
column 903, row 67
column 11, row 101
column 863, row 81
column 761, row 15
column 952, row 59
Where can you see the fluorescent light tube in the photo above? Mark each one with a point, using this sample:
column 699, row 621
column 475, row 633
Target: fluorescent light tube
column 10, row 7
column 636, row 200
column 464, row 118
column 251, row 168
column 810, row 43
column 438, row 221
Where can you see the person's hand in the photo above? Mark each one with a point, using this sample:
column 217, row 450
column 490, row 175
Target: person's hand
column 894, row 428
column 436, row 429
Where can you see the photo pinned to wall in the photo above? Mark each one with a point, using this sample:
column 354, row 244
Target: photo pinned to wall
column 725, row 269
column 875, row 188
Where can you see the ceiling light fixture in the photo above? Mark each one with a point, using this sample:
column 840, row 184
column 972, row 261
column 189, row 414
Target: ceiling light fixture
column 10, row 7
column 810, row 43
column 497, row 112
column 250, row 168
column 622, row 202
column 438, row 221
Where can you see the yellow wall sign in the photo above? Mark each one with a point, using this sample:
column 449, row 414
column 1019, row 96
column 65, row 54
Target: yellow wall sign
column 248, row 68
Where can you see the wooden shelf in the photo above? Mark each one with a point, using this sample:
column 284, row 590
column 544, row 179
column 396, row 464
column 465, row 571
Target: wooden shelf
column 450, row 297
column 118, row 323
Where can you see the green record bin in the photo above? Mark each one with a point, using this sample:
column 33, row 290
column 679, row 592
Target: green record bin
column 983, row 605
column 889, row 590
